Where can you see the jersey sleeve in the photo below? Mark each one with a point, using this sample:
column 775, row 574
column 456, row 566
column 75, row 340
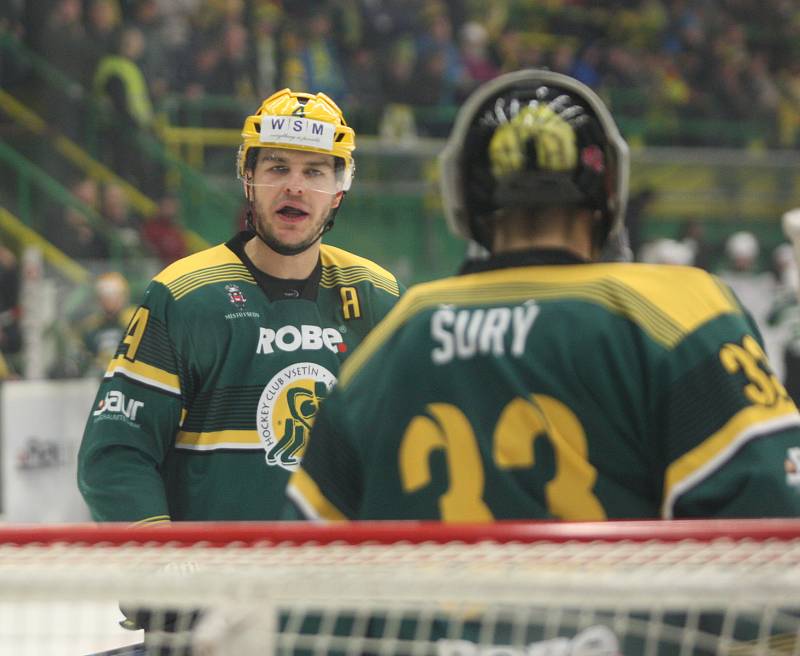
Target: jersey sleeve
column 729, row 427
column 341, row 461
column 327, row 486
column 133, row 422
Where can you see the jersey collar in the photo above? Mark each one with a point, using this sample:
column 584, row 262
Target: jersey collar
column 532, row 257
column 277, row 289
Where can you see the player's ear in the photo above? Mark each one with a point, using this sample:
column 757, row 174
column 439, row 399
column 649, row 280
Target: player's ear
column 337, row 199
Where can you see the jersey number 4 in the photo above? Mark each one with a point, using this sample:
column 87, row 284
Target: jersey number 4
column 569, row 493
column 134, row 332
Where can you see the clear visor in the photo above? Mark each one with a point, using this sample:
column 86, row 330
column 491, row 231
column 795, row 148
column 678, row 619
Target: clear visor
column 298, row 171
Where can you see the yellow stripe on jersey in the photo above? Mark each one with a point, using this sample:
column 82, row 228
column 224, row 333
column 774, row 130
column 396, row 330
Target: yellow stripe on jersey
column 701, row 462
column 225, row 439
column 726, row 292
column 332, row 256
column 667, row 302
column 191, row 281
column 303, row 490
column 211, row 257
column 340, row 267
column 334, row 276
column 211, row 265
column 144, row 373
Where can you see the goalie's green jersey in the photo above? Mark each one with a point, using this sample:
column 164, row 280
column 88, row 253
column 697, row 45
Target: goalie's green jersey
column 207, row 404
column 541, row 387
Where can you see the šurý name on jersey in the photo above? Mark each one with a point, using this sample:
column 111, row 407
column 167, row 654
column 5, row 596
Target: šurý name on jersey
column 466, row 333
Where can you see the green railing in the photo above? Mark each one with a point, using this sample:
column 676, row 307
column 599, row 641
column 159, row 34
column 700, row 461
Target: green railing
column 143, row 205
column 194, row 112
column 41, row 201
column 30, row 178
column 206, row 208
column 25, row 237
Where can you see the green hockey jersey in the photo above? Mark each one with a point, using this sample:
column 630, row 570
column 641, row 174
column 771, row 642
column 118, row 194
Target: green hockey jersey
column 206, row 406
column 540, row 387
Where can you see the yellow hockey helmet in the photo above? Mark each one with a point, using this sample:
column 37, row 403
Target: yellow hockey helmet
column 300, row 121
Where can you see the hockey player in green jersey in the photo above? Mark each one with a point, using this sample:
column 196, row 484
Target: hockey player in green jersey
column 207, row 404
column 544, row 381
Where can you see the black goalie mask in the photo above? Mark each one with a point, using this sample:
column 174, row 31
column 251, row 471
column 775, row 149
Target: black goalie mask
column 529, row 140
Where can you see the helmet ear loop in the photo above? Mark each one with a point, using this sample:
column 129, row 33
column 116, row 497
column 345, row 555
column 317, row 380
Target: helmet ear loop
column 249, row 195
column 346, row 185
column 332, row 216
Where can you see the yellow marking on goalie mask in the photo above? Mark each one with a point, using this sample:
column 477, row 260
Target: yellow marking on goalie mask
column 556, row 149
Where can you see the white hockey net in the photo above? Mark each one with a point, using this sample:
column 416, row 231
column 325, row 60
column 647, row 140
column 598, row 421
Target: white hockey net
column 536, row 589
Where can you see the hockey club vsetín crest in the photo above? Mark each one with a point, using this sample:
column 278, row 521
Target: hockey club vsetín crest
column 236, row 295
column 286, row 411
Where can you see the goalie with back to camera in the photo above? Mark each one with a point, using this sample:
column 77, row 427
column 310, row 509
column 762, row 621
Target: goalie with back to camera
column 542, row 382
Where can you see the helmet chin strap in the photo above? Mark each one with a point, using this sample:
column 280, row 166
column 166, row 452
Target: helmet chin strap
column 280, row 248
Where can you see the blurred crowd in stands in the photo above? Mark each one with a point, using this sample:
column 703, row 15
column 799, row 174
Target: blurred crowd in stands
column 70, row 230
column 398, row 68
column 659, row 60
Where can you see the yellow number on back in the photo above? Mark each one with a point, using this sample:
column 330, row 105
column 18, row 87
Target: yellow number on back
column 448, row 429
column 763, row 387
column 521, row 423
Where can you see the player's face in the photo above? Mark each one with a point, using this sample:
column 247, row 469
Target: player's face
column 293, row 193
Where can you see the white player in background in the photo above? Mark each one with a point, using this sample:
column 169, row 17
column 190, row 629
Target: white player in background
column 784, row 314
column 755, row 288
column 667, row 251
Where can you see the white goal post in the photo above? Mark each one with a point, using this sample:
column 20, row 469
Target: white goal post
column 505, row 589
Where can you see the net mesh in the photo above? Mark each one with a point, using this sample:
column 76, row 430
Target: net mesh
column 534, row 590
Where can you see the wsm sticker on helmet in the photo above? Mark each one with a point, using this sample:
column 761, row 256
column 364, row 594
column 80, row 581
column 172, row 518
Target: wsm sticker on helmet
column 297, row 131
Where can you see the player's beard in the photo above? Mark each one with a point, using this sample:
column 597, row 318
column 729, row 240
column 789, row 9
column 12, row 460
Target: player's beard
column 268, row 236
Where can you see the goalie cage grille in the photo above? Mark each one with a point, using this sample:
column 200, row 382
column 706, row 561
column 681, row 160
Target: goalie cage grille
column 507, row 589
